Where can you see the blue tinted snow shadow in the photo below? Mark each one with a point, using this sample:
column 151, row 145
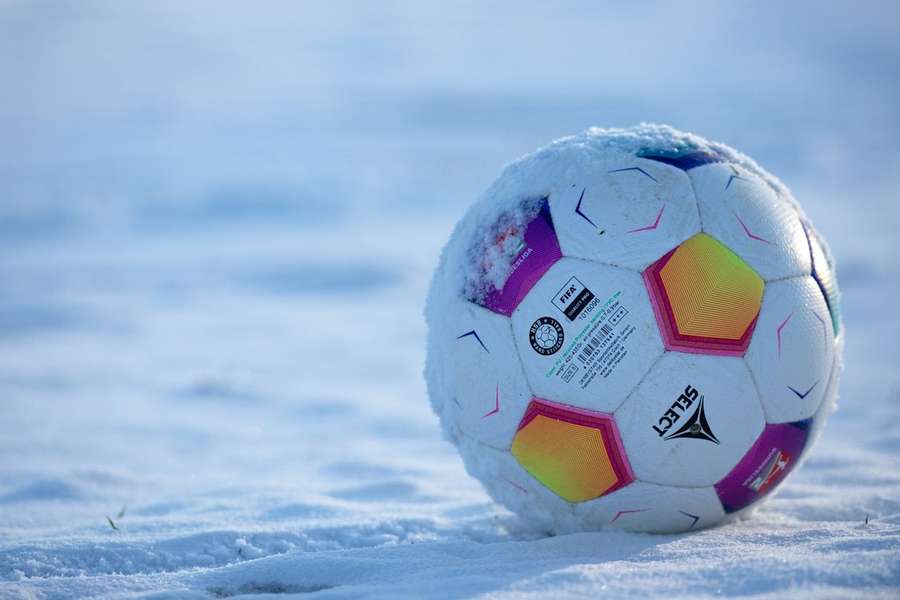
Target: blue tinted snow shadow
column 21, row 320
column 358, row 470
column 44, row 489
column 215, row 392
column 45, row 382
column 302, row 279
column 240, row 206
column 322, row 408
column 395, row 490
column 265, row 588
column 39, row 226
column 297, row 510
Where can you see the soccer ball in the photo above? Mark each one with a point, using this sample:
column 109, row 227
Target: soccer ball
column 633, row 329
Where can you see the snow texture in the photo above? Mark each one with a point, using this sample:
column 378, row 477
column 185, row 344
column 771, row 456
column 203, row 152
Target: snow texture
column 493, row 246
column 217, row 228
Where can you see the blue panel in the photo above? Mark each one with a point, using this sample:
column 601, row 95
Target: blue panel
column 681, row 160
column 804, row 424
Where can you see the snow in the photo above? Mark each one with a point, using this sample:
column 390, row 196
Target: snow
column 217, row 228
column 492, row 246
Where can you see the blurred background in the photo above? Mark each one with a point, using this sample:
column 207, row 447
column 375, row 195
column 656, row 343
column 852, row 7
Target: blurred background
column 218, row 223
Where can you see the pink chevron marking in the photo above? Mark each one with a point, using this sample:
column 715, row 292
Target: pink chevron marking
column 626, row 512
column 496, row 408
column 747, row 231
column 515, row 485
column 778, row 332
column 653, row 226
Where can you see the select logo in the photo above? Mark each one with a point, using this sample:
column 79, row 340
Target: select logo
column 572, row 298
column 695, row 426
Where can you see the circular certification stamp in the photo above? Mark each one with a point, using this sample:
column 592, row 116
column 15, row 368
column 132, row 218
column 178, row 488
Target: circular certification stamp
column 546, row 336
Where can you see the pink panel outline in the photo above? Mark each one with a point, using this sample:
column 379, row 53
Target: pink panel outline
column 603, row 422
column 665, row 318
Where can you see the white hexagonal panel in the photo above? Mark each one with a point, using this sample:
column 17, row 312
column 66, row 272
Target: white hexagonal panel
column 629, row 213
column 792, row 349
column 511, row 485
column 586, row 334
column 744, row 213
column 690, row 420
column 485, row 388
column 644, row 506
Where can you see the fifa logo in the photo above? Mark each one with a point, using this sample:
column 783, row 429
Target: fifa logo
column 568, row 294
column 572, row 298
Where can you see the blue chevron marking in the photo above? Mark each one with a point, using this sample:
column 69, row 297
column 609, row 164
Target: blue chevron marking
column 694, row 517
column 804, row 394
column 475, row 334
column 578, row 209
column 685, row 162
column 638, row 169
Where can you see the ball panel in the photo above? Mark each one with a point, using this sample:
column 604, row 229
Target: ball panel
column 485, row 391
column 792, row 350
column 705, row 298
column 586, row 334
column 518, row 254
column 691, row 419
column 576, row 453
column 655, row 508
column 628, row 213
column 744, row 212
column 768, row 462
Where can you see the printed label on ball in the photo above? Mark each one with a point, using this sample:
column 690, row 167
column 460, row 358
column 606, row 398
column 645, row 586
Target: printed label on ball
column 770, row 459
column 546, row 336
column 601, row 345
column 572, row 298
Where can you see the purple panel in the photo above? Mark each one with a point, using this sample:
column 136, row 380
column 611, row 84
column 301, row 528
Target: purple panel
column 540, row 251
column 769, row 461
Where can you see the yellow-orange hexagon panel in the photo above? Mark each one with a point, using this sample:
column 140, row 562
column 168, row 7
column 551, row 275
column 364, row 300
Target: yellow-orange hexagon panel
column 576, row 453
column 706, row 299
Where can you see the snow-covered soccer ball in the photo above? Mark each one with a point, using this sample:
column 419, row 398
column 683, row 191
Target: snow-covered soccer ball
column 633, row 328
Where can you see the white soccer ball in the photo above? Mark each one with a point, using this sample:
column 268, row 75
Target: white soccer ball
column 634, row 329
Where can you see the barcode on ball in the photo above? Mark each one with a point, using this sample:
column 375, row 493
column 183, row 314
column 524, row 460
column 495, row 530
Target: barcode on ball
column 594, row 343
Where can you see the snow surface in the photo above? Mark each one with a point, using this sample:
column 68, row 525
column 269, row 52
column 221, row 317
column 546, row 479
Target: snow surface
column 217, row 228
